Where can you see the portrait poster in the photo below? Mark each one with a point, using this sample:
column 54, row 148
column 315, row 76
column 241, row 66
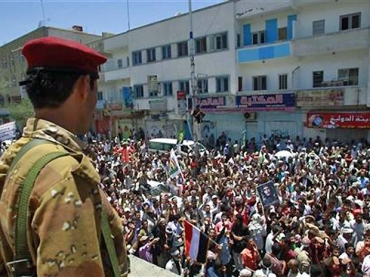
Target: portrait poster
column 268, row 194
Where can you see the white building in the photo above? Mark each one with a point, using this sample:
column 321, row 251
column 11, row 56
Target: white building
column 297, row 68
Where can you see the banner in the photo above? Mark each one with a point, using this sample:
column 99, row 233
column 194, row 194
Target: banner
column 181, row 102
column 153, row 85
column 267, row 194
column 334, row 120
column 7, row 131
column 174, row 165
column 320, row 98
column 267, row 102
column 127, row 96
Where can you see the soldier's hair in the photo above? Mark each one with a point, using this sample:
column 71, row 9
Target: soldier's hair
column 51, row 88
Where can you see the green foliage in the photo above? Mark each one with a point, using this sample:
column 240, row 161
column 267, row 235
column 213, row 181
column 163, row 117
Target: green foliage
column 21, row 111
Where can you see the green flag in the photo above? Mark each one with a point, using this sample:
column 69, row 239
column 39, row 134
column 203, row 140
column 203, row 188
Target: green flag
column 180, row 136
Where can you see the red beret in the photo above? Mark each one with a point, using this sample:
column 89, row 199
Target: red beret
column 61, row 54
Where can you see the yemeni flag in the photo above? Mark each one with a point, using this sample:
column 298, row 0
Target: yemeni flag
column 196, row 243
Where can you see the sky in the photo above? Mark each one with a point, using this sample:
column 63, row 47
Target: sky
column 17, row 18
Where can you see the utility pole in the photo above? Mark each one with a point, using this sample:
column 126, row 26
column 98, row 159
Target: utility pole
column 192, row 72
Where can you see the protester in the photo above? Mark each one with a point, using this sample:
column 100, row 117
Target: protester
column 313, row 216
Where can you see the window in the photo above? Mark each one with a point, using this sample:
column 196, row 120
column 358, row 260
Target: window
column 136, row 58
column 184, row 86
column 240, row 83
column 202, row 86
column 138, row 91
column 282, row 33
column 119, row 63
column 166, row 52
column 349, row 76
column 350, row 21
column 182, row 49
column 153, row 93
column 238, row 40
column 100, row 95
column 283, row 81
column 222, row 84
column 167, row 89
column 221, row 41
column 318, row 27
column 258, row 37
column 200, row 45
column 318, row 78
column 260, row 83
column 150, row 55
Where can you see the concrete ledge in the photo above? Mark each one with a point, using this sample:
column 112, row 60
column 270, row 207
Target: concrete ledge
column 141, row 268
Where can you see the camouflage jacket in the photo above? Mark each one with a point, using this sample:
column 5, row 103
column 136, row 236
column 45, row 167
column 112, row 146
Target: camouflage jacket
column 64, row 230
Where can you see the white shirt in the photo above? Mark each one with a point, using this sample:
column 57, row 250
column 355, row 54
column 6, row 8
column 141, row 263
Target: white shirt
column 366, row 266
column 269, row 243
column 171, row 266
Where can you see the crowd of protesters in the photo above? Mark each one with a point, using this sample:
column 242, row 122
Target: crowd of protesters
column 319, row 227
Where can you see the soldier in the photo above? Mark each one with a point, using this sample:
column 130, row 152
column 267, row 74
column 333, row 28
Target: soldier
column 64, row 213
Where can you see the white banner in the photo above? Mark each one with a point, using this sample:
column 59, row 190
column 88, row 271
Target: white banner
column 7, row 131
column 174, row 165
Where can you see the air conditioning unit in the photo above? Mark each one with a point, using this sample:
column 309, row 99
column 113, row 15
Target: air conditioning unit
column 250, row 116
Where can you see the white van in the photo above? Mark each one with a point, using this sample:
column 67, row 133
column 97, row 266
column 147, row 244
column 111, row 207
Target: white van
column 163, row 145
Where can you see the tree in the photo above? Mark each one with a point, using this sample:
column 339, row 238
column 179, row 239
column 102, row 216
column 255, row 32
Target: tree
column 20, row 111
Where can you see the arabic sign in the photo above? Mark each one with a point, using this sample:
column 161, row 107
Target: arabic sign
column 181, row 102
column 158, row 105
column 152, row 84
column 328, row 97
column 208, row 102
column 358, row 120
column 267, row 102
column 7, row 131
column 115, row 106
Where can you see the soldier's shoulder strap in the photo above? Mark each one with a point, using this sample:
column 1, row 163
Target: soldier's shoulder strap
column 22, row 264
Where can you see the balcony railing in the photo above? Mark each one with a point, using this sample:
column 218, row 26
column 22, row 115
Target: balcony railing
column 353, row 39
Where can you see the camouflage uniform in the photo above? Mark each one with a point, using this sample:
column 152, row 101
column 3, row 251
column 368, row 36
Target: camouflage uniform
column 64, row 230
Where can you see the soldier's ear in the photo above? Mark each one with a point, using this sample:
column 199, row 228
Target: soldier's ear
column 82, row 87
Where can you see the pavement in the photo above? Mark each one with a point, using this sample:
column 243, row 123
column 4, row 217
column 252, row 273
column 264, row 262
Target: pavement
column 141, row 268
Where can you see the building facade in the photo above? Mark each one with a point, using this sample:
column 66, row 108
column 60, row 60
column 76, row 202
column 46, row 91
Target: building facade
column 289, row 68
column 13, row 65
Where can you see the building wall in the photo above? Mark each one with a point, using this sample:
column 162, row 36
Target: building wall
column 331, row 12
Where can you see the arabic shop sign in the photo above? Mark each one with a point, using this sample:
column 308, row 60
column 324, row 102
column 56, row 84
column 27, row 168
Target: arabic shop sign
column 267, row 102
column 208, row 102
column 346, row 120
column 325, row 97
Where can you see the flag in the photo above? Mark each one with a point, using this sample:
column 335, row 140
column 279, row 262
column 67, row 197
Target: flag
column 224, row 253
column 174, row 165
column 180, row 136
column 196, row 243
column 244, row 140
